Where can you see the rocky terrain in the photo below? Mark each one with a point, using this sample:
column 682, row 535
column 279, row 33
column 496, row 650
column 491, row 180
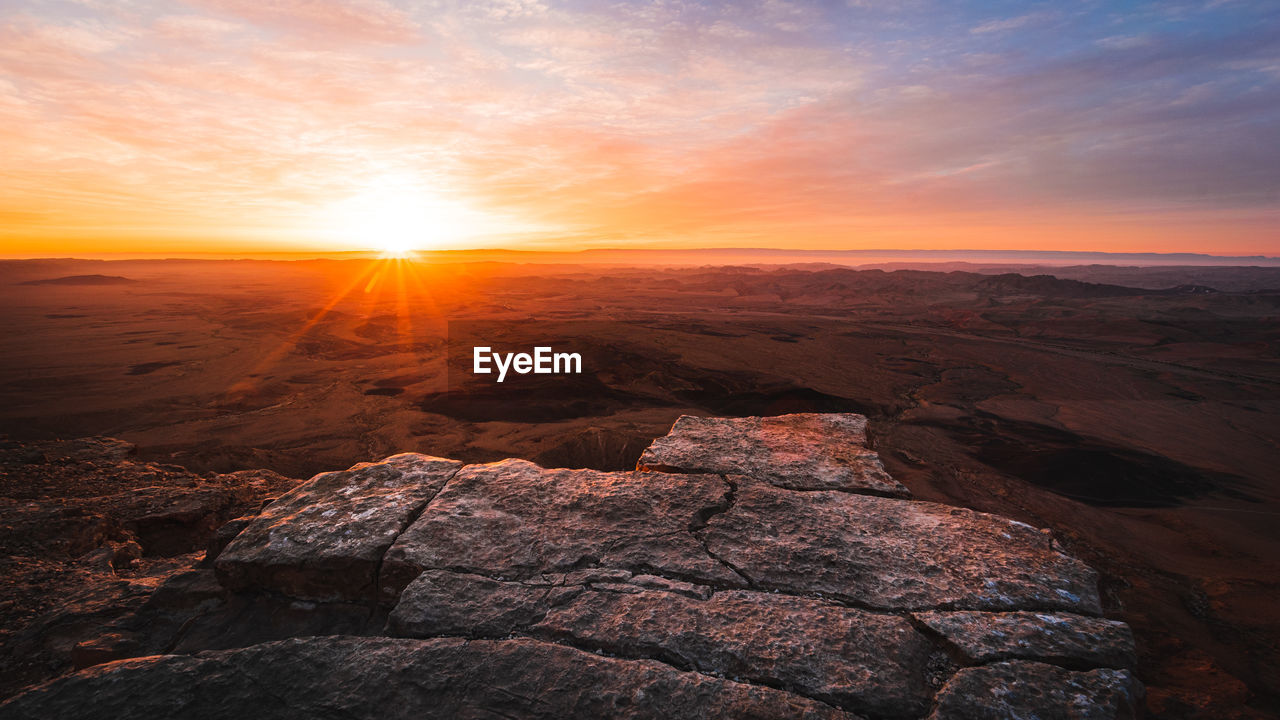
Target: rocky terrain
column 756, row 567
column 88, row 532
column 1134, row 425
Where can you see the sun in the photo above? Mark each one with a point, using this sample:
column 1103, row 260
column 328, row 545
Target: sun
column 393, row 222
column 397, row 216
column 393, row 248
column 397, row 226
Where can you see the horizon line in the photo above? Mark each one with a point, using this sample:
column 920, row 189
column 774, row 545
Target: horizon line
column 954, row 255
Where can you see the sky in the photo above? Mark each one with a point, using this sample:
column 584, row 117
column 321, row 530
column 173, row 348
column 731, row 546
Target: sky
column 245, row 125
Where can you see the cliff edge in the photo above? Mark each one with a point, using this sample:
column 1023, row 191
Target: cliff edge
column 749, row 567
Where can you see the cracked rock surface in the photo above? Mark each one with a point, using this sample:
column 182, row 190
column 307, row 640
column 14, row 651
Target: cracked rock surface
column 894, row 554
column 1063, row 638
column 849, row 657
column 1030, row 689
column 514, row 519
column 805, row 451
column 385, row 678
column 771, row 573
column 325, row 538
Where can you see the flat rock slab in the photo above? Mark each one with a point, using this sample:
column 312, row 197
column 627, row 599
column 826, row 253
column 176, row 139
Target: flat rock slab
column 1061, row 638
column 804, row 451
column 860, row 661
column 892, row 554
column 325, row 539
column 388, row 679
column 513, row 519
column 1022, row 689
column 768, row 576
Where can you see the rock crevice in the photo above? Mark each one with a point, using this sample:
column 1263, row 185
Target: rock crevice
column 730, row 498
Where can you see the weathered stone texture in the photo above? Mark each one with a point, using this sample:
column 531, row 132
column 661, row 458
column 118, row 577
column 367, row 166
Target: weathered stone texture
column 857, row 660
column 895, row 554
column 325, row 539
column 514, row 519
column 801, row 452
column 1062, row 638
column 1021, row 689
column 754, row 568
column 386, row 679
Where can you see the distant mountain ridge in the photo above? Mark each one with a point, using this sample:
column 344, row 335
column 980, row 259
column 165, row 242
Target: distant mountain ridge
column 83, row 280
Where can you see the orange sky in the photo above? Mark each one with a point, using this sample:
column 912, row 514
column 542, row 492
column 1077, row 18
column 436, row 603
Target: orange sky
column 241, row 126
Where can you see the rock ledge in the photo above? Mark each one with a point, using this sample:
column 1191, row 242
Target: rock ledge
column 750, row 567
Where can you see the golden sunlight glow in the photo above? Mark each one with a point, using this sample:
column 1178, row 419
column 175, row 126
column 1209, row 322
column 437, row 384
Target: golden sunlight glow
column 394, row 248
column 396, row 216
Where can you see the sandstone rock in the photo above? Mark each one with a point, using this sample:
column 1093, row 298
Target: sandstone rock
column 125, row 554
column 387, row 679
column 172, row 521
column 44, row 647
column 223, row 536
column 1023, row 689
column 186, row 591
column 108, row 647
column 895, row 554
column 513, row 519
column 857, row 660
column 93, row 448
column 243, row 620
column 325, row 538
column 710, row 594
column 85, row 536
column 58, row 528
column 440, row 602
column 98, row 559
column 1061, row 638
column 802, row 452
column 112, row 556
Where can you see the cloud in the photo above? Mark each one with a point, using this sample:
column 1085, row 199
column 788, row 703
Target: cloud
column 336, row 21
column 193, row 27
column 1124, row 42
column 642, row 121
column 1006, row 24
